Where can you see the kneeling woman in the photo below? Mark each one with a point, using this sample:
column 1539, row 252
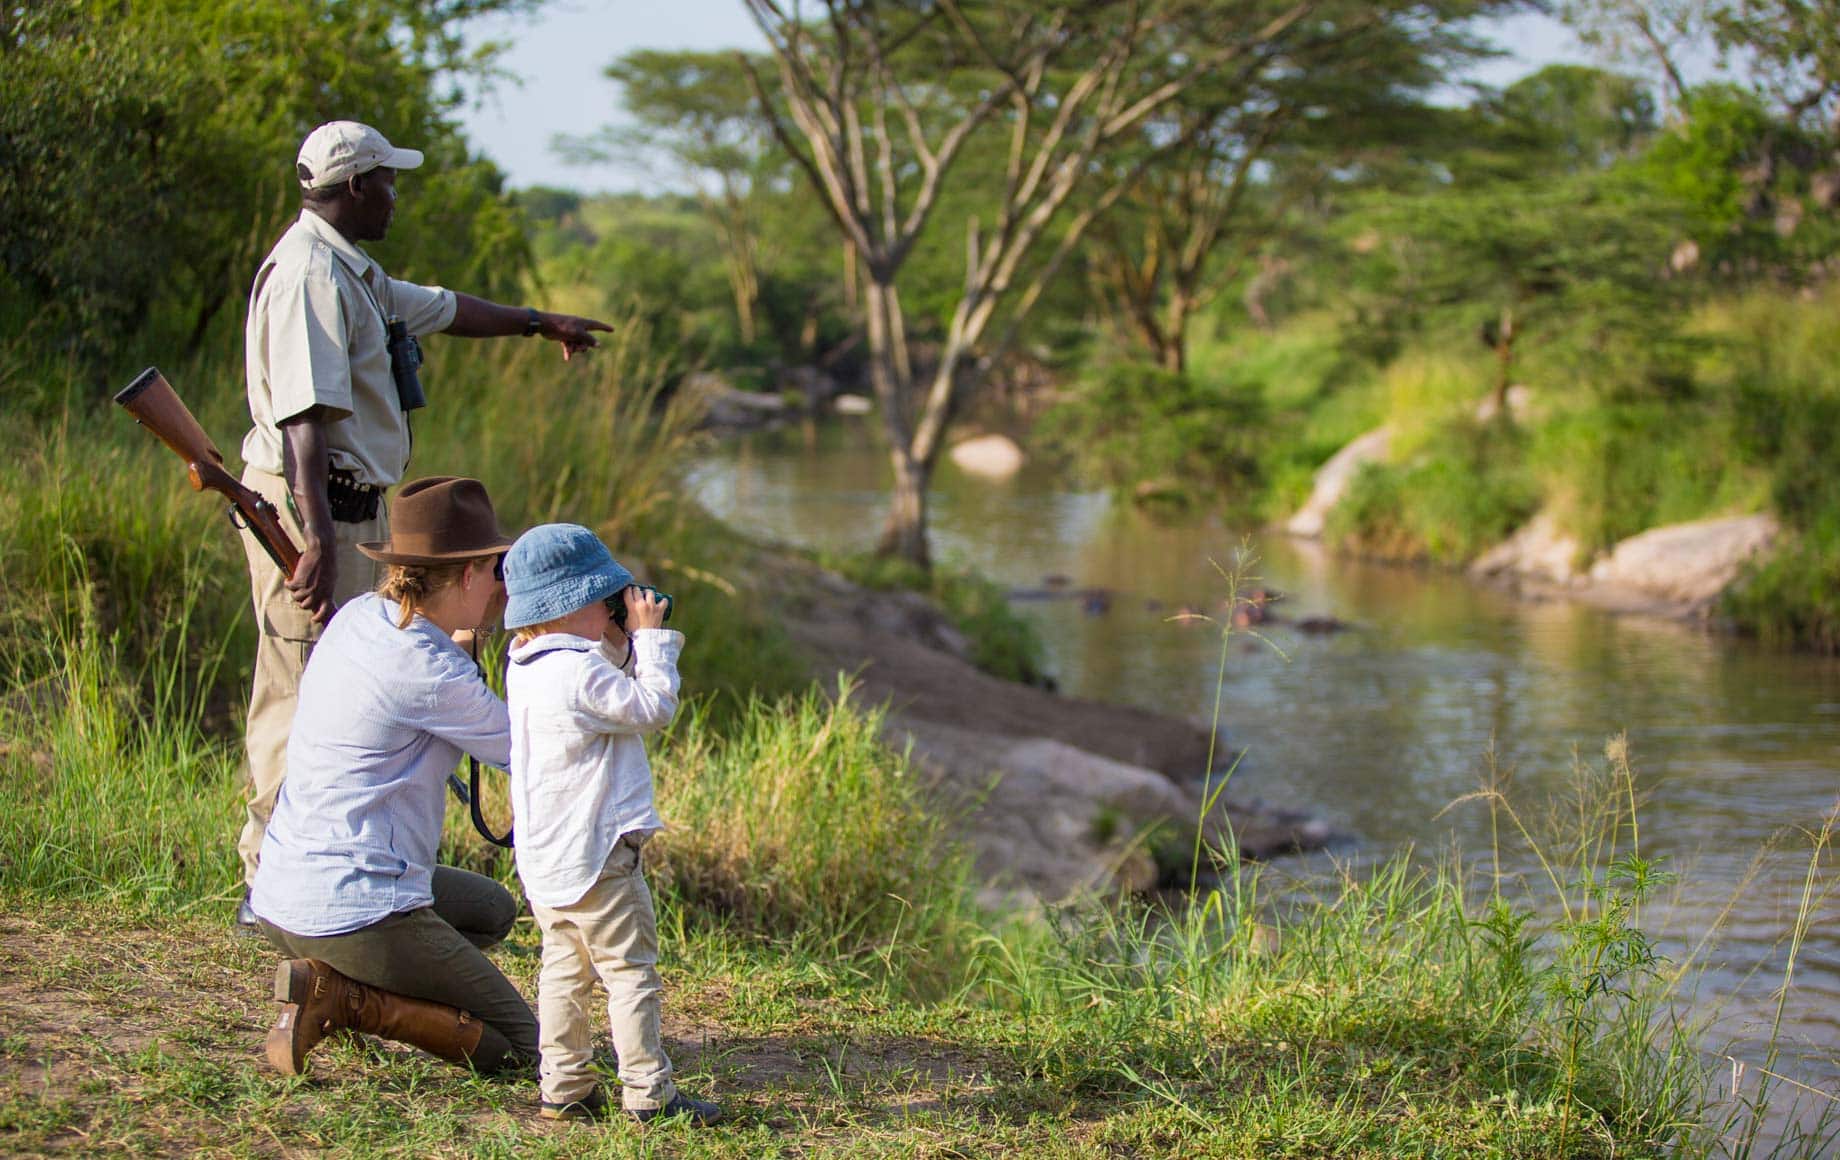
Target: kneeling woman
column 381, row 939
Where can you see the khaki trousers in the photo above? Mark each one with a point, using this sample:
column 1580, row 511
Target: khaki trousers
column 287, row 634
column 436, row 953
column 612, row 934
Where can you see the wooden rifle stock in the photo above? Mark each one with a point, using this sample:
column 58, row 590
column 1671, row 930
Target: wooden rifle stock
column 157, row 407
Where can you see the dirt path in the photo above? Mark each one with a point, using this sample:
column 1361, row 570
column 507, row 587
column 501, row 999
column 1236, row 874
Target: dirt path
column 121, row 1035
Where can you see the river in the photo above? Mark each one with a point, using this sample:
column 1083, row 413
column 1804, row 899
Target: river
column 1377, row 729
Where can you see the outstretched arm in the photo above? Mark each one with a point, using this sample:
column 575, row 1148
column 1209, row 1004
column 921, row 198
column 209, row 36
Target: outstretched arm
column 477, row 318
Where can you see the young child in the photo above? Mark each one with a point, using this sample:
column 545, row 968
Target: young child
column 581, row 691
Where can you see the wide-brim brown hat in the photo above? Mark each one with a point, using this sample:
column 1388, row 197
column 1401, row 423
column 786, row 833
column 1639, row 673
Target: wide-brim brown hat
column 441, row 518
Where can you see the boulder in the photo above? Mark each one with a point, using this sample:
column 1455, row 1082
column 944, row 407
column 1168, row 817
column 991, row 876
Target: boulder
column 728, row 406
column 1052, row 793
column 1686, row 564
column 852, row 405
column 991, row 456
column 1045, row 819
column 1332, row 480
column 813, row 386
column 1540, row 549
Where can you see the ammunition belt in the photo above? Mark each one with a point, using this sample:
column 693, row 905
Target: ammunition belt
column 352, row 502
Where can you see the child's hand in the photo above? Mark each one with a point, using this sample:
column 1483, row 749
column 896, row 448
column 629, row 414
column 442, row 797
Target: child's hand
column 644, row 608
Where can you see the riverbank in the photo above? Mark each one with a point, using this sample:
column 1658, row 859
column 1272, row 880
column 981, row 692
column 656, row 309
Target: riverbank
column 1057, row 796
column 1429, row 460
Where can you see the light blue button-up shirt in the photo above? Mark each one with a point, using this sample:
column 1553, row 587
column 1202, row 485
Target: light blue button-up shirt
column 384, row 715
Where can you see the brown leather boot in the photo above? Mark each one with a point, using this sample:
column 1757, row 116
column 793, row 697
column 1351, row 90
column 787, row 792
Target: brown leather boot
column 316, row 1005
column 319, row 1001
column 440, row 1030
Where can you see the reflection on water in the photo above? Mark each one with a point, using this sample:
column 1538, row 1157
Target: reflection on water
column 1381, row 727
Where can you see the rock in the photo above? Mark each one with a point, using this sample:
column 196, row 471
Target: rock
column 852, row 405
column 1320, row 625
column 730, row 407
column 1033, row 803
column 1051, row 793
column 1539, row 549
column 991, row 456
column 813, row 386
column 1685, row 564
column 1332, row 480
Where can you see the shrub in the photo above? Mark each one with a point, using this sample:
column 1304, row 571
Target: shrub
column 1468, row 488
column 802, row 827
column 1145, row 431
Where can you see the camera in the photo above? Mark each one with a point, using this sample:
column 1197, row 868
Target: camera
column 405, row 362
column 616, row 604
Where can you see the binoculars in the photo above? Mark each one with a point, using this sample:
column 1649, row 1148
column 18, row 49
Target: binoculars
column 405, row 365
column 616, row 604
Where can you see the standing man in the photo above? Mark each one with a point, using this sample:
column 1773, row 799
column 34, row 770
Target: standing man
column 330, row 388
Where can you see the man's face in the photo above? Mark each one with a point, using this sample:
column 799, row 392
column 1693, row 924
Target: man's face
column 378, row 203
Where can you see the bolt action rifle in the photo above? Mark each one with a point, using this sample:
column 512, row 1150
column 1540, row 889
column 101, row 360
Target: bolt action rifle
column 157, row 407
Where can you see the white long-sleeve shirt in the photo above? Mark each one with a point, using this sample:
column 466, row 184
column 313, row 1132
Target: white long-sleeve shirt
column 384, row 714
column 579, row 776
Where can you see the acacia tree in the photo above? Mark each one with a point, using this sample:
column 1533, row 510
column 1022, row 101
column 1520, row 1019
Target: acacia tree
column 696, row 110
column 1542, row 230
column 877, row 102
column 1248, row 145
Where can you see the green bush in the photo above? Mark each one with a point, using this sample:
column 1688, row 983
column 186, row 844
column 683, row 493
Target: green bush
column 1467, row 489
column 1162, row 435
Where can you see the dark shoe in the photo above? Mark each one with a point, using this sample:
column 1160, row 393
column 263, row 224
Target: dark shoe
column 592, row 1106
column 246, row 921
column 701, row 1112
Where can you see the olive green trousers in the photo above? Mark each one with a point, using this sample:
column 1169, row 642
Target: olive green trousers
column 437, row 953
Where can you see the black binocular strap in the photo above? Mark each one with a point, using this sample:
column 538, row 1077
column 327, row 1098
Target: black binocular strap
column 469, row 797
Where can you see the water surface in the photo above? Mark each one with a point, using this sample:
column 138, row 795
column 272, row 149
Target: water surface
column 1379, row 728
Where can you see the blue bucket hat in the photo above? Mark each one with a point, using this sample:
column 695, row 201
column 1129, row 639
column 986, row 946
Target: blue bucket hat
column 555, row 569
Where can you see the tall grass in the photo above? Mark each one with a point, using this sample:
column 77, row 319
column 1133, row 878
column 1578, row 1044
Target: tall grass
column 1406, row 1009
column 800, row 826
column 114, row 790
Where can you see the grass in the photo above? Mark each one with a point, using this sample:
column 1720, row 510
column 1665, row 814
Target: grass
column 830, row 976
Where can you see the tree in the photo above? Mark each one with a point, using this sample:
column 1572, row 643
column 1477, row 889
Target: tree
column 1345, row 92
column 1663, row 33
column 877, row 103
column 696, row 111
column 1548, row 228
column 1793, row 47
column 145, row 149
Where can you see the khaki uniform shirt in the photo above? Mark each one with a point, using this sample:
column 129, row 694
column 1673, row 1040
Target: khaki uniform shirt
column 316, row 336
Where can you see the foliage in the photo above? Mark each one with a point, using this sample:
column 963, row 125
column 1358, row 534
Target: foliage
column 1744, row 210
column 1200, row 437
column 1465, row 491
column 1211, row 177
column 145, row 153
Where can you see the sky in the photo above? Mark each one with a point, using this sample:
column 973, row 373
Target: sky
column 556, row 60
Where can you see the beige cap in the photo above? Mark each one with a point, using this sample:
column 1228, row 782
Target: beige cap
column 341, row 149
